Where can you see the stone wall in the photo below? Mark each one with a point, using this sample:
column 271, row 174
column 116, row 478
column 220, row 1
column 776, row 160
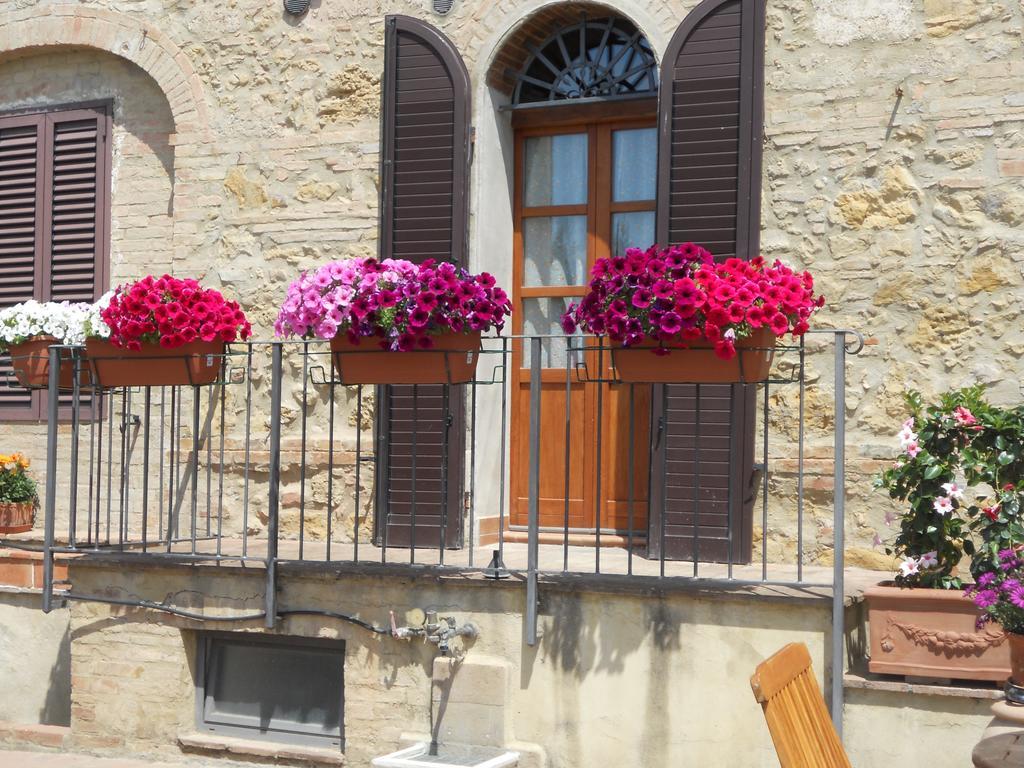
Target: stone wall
column 247, row 149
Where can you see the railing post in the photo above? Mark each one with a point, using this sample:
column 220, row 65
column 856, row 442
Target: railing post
column 51, row 477
column 274, row 483
column 533, row 492
column 838, row 535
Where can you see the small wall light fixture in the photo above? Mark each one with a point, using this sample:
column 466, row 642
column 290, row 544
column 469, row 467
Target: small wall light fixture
column 296, row 7
column 443, row 6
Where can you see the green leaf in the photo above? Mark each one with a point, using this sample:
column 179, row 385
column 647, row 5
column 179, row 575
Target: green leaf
column 933, row 471
column 1005, row 458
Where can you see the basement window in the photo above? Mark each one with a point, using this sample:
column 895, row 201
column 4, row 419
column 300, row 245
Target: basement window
column 273, row 688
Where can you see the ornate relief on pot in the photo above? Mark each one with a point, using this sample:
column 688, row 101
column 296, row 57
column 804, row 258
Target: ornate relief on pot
column 945, row 642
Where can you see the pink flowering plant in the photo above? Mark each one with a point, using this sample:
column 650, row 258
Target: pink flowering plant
column 400, row 304
column 678, row 296
column 958, row 471
column 998, row 590
column 168, row 311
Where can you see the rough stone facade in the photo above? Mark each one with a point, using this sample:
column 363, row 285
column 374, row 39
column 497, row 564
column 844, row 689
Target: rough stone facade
column 246, row 149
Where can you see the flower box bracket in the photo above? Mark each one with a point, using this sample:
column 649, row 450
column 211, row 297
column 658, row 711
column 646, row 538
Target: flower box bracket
column 30, row 365
column 195, row 364
column 599, row 360
column 452, row 360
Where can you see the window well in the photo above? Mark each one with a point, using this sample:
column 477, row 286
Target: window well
column 283, row 689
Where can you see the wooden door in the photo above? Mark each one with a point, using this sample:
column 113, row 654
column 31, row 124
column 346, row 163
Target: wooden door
column 583, row 191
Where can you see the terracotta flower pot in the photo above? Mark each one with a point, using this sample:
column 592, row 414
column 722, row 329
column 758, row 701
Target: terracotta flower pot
column 16, row 516
column 1016, row 643
column 933, row 633
column 452, row 360
column 193, row 364
column 30, row 361
column 698, row 364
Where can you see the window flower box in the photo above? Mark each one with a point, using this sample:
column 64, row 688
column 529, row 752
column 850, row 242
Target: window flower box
column 395, row 322
column 162, row 332
column 29, row 329
column 674, row 315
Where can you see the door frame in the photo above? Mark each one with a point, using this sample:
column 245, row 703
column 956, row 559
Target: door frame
column 562, row 119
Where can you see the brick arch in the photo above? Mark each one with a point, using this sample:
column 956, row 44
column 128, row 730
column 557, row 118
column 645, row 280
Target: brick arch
column 535, row 22
column 117, row 33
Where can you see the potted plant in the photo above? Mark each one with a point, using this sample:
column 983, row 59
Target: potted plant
column 18, row 499
column 162, row 331
column 998, row 592
column 676, row 315
column 921, row 623
column 27, row 331
column 395, row 322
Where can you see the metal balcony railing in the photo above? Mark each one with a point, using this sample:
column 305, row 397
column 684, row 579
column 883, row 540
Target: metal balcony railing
column 542, row 466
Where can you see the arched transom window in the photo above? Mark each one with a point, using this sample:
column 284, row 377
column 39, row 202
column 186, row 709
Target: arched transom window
column 594, row 58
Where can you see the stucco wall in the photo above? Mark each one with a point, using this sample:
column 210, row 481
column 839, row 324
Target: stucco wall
column 614, row 680
column 883, row 728
column 35, row 656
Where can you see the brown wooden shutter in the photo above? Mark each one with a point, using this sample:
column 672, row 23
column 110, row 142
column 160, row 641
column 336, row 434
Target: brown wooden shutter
column 21, row 190
column 424, row 180
column 54, row 214
column 709, row 188
column 77, row 205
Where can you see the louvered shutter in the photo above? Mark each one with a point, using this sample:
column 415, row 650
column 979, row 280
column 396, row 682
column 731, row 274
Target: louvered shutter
column 76, row 211
column 76, row 226
column 424, row 160
column 710, row 130
column 21, row 203
column 54, row 209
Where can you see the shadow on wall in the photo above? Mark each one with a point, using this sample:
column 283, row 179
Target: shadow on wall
column 56, row 709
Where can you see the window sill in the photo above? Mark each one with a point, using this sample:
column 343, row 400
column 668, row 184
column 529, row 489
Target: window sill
column 263, row 750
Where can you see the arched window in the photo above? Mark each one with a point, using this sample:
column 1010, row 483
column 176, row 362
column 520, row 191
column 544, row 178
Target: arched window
column 594, row 58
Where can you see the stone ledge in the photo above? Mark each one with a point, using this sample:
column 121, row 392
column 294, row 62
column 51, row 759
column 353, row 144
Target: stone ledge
column 260, row 750
column 649, row 586
column 964, row 690
column 49, row 736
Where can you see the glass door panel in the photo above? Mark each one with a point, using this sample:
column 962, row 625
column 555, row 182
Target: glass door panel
column 556, row 170
column 632, row 230
column 554, row 251
column 634, row 164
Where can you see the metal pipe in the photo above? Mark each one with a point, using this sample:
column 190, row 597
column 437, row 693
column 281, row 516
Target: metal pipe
column 533, row 493
column 76, row 407
column 274, row 482
column 52, row 400
column 838, row 528
column 302, row 458
column 359, row 466
column 147, row 403
column 799, row 467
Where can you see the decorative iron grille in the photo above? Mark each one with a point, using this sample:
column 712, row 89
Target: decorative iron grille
column 443, row 6
column 594, row 58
